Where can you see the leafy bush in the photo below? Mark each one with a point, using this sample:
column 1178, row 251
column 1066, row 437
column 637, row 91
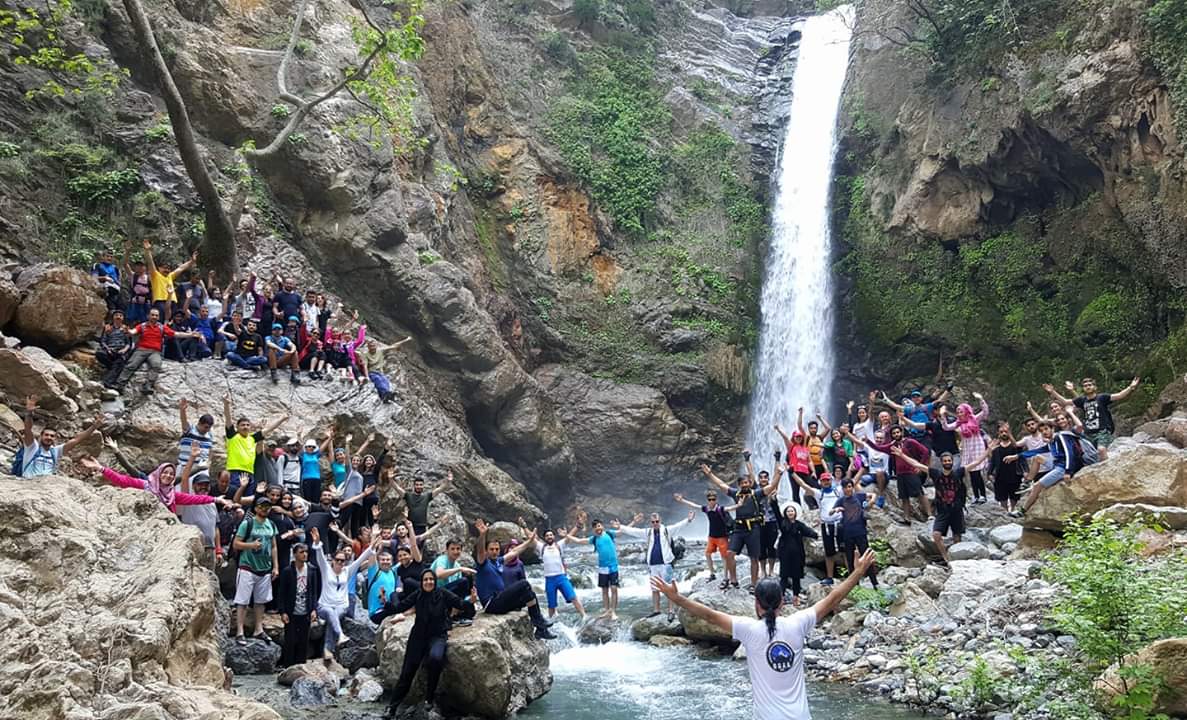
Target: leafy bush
column 280, row 110
column 558, row 47
column 158, row 132
column 1167, row 20
column 103, row 187
column 587, row 11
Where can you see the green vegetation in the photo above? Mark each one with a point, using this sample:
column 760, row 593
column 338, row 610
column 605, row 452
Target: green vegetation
column 280, row 110
column 610, row 128
column 557, row 46
column 870, row 599
column 1167, row 21
column 160, row 131
column 32, row 37
column 587, row 11
column 96, row 188
column 427, row 257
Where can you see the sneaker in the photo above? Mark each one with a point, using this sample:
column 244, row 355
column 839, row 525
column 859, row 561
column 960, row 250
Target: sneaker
column 1016, row 514
column 826, row 581
column 712, row 577
column 464, row 622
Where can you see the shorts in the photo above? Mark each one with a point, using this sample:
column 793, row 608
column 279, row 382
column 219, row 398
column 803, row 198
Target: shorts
column 249, row 587
column 769, row 535
column 749, row 539
column 1046, row 462
column 663, row 572
column 554, row 584
column 718, row 545
column 1101, row 438
column 948, row 517
column 607, row 580
column 909, row 486
column 1053, row 476
column 828, row 534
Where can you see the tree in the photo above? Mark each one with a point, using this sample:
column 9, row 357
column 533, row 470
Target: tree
column 375, row 81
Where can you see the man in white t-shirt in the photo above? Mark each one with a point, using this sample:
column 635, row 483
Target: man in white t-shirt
column 774, row 645
column 827, row 497
column 40, row 455
column 556, row 576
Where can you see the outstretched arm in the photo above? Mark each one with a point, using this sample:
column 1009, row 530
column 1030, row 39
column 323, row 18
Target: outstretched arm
column 148, row 261
column 1055, row 394
column 1119, row 396
column 187, row 264
column 892, row 404
column 82, row 436
column 834, row 598
column 27, row 429
column 227, row 410
column 680, row 499
column 694, row 608
column 713, row 478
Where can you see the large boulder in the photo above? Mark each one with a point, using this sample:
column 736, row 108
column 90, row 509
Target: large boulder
column 147, row 639
column 644, row 629
column 970, row 580
column 253, row 657
column 913, row 601
column 10, row 298
column 329, row 673
column 32, row 371
column 629, row 444
column 504, row 531
column 60, row 307
column 1008, row 533
column 308, row 692
column 1168, row 660
column 730, row 602
column 598, row 631
column 494, row 668
column 1155, row 475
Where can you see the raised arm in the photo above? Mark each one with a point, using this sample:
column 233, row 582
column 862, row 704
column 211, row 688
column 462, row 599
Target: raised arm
column 984, row 406
column 713, row 478
column 828, row 429
column 363, row 448
column 227, row 411
column 945, row 422
column 275, row 424
column 694, row 608
column 315, row 549
column 834, row 598
column 447, row 485
column 890, row 403
column 182, row 406
column 121, row 458
column 185, row 472
column 82, row 436
column 799, row 421
column 1119, row 396
column 898, row 453
column 782, row 434
column 1055, row 394
column 27, row 429
column 187, row 264
column 148, row 261
column 680, row 499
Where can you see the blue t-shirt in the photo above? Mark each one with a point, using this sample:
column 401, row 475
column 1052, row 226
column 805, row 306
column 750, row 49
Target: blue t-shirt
column 310, row 465
column 377, row 580
column 339, row 470
column 444, row 563
column 607, row 552
column 489, row 580
column 920, row 413
column 109, row 269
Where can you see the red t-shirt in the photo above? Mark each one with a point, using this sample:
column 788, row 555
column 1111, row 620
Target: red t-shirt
column 799, row 458
column 152, row 336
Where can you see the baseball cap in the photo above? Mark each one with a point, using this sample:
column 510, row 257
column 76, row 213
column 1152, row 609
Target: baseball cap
column 916, row 393
column 261, row 500
column 291, row 441
column 294, row 318
column 277, row 326
column 200, row 477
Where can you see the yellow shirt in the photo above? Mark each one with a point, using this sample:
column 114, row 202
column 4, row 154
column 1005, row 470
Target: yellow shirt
column 162, row 286
column 241, row 451
column 815, row 448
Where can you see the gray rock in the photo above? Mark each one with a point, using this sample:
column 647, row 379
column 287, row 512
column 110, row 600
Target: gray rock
column 255, row 657
column 1029, row 629
column 968, row 550
column 355, row 656
column 366, row 687
column 644, row 628
column 598, row 631
column 1067, row 642
column 1022, row 641
column 1002, row 534
column 360, row 632
column 308, row 692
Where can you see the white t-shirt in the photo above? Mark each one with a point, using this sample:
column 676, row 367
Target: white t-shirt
column 777, row 664
column 38, row 461
column 552, row 557
column 1033, row 442
column 828, row 500
column 879, row 461
column 865, row 430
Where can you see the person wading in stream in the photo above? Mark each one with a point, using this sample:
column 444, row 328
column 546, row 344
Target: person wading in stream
column 774, row 645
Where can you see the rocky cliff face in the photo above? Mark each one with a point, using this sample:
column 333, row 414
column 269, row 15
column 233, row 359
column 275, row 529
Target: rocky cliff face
column 486, row 235
column 1012, row 200
column 107, row 609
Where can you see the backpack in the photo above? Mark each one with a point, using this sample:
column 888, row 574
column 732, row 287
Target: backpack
column 20, row 466
column 1086, row 452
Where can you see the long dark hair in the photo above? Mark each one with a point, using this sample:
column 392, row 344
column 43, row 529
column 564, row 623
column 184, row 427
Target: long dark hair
column 768, row 593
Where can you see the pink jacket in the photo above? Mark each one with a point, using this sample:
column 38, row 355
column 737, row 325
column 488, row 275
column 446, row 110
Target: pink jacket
column 179, row 498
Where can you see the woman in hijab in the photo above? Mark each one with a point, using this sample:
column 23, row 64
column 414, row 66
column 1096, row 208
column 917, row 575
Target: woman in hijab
column 972, row 443
column 431, row 606
column 160, row 483
column 792, row 535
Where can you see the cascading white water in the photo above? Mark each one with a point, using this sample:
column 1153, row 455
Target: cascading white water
column 794, row 364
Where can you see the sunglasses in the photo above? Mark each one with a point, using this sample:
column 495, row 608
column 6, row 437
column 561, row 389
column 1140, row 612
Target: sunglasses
column 338, row 559
column 655, row 522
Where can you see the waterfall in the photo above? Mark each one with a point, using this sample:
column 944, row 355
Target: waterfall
column 794, row 365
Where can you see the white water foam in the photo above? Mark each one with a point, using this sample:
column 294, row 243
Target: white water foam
column 794, row 366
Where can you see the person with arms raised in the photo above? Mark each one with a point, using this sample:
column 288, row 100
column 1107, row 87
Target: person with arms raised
column 335, row 589
column 40, row 455
column 774, row 645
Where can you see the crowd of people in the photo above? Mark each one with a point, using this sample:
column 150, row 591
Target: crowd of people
column 297, row 515
column 157, row 312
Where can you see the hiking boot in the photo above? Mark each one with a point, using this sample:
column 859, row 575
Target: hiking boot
column 274, row 378
column 544, row 633
column 147, row 389
column 294, row 379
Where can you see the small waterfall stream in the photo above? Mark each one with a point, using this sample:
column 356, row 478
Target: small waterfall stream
column 794, row 364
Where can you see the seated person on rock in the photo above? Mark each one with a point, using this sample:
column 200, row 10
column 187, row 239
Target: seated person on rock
column 496, row 597
column 41, row 455
column 453, row 576
column 114, row 345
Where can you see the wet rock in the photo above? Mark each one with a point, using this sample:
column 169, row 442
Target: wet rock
column 644, row 629
column 152, row 613
column 60, row 307
column 968, row 551
column 598, row 631
column 330, row 674
column 308, row 692
column 366, row 687
column 1172, row 517
column 495, row 666
column 254, row 657
column 357, row 656
column 1164, row 482
column 10, row 298
column 668, row 641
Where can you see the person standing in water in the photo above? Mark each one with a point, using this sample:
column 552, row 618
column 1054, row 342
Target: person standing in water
column 603, row 544
column 774, row 645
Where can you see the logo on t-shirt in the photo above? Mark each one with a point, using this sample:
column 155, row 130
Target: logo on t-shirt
column 780, row 656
